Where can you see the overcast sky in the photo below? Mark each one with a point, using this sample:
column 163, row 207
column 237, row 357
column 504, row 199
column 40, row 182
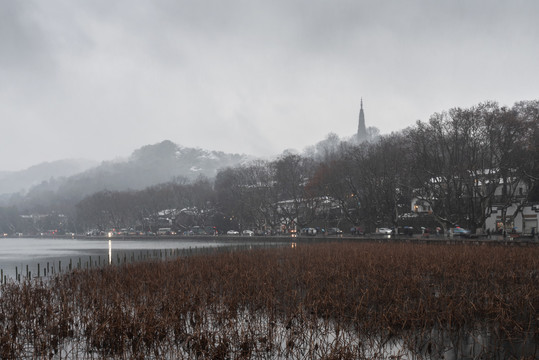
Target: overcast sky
column 97, row 79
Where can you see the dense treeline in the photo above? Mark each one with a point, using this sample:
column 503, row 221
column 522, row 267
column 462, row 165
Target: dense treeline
column 454, row 165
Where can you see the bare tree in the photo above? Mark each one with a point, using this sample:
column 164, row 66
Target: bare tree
column 463, row 156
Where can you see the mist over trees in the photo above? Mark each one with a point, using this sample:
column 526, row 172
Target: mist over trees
column 451, row 164
column 150, row 165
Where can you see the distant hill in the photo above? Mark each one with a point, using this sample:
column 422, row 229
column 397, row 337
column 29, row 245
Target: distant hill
column 149, row 165
column 23, row 180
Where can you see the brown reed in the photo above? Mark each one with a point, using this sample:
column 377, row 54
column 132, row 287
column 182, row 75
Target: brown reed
column 323, row 301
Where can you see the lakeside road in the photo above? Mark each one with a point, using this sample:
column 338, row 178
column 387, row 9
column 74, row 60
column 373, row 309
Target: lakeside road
column 494, row 239
column 415, row 238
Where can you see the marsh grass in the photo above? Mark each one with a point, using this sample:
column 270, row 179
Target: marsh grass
column 317, row 301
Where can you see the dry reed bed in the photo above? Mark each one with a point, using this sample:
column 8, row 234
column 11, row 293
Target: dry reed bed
column 330, row 301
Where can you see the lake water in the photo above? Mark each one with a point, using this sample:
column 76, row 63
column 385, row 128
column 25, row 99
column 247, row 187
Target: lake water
column 16, row 254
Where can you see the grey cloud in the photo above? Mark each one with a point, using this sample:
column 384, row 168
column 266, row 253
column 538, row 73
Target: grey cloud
column 275, row 74
column 21, row 38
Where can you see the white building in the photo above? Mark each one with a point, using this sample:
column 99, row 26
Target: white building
column 525, row 221
column 516, row 216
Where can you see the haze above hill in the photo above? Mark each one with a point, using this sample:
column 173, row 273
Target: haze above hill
column 23, row 180
column 148, row 165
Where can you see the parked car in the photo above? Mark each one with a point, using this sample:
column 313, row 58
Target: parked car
column 334, row 231
column 164, row 231
column 406, row 230
column 232, row 232
column 248, row 232
column 385, row 230
column 308, row 231
column 458, row 231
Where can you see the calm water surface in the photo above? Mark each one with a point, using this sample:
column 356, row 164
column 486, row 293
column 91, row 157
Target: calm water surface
column 17, row 253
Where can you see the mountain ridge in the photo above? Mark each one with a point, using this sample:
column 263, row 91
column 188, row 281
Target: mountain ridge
column 24, row 180
column 146, row 166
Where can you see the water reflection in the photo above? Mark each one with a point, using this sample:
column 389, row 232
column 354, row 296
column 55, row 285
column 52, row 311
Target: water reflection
column 31, row 253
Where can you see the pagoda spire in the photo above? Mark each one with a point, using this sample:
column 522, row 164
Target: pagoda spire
column 361, row 129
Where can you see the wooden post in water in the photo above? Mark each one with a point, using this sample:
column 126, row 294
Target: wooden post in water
column 38, row 271
column 59, row 266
